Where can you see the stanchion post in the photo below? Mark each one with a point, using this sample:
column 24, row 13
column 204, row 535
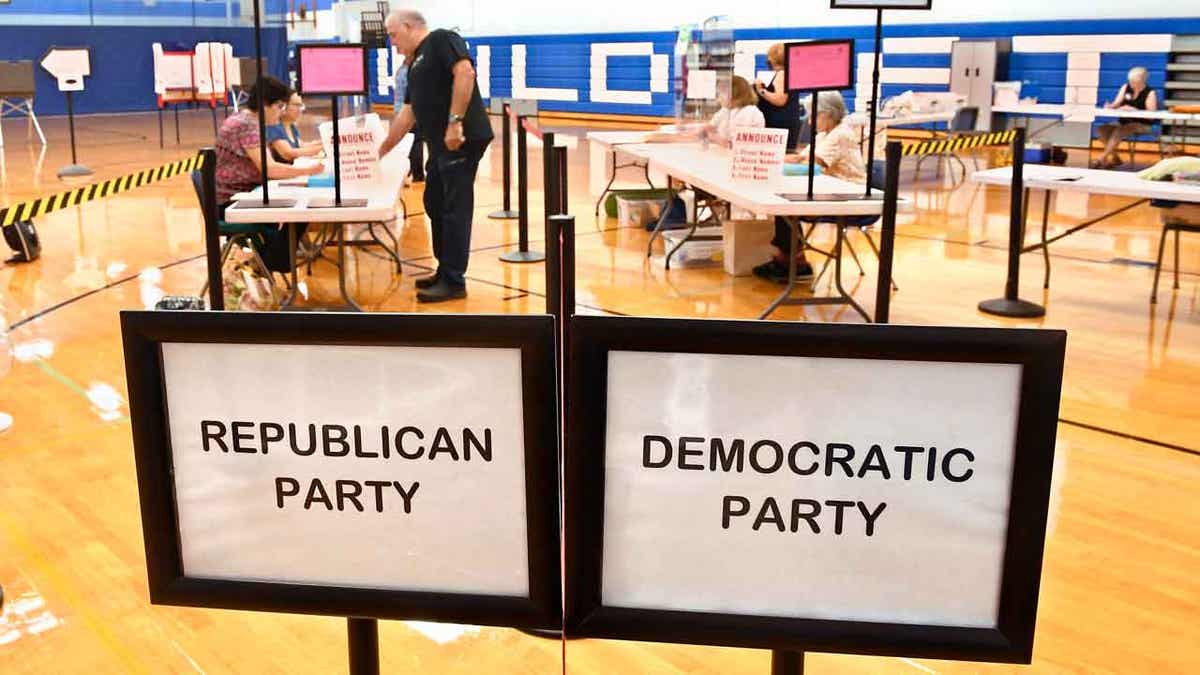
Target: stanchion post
column 560, row 158
column 887, row 244
column 212, row 237
column 553, row 236
column 363, row 640
column 522, row 254
column 506, row 213
column 1011, row 305
column 787, row 662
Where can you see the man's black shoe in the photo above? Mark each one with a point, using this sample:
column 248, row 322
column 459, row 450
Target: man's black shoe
column 441, row 292
column 429, row 281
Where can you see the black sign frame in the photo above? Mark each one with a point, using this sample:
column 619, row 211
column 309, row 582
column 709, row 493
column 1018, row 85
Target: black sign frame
column 145, row 332
column 787, row 65
column 912, row 5
column 301, row 48
column 1041, row 354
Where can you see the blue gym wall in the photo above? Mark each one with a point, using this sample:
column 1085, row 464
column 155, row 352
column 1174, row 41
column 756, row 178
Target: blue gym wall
column 122, row 77
column 564, row 61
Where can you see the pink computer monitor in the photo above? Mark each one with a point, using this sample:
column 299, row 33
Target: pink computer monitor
column 332, row 70
column 819, row 65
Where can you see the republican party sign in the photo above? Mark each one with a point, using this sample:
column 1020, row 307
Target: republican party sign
column 838, row 488
column 341, row 456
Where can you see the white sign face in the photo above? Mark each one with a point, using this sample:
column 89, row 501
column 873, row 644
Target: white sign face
column 397, row 468
column 69, row 65
column 757, row 154
column 800, row 487
column 702, row 84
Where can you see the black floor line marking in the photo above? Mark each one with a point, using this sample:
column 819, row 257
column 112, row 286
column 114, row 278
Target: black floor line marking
column 37, row 315
column 1130, row 437
column 1059, row 256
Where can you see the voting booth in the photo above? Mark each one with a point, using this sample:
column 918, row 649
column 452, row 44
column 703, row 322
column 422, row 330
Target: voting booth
column 17, row 91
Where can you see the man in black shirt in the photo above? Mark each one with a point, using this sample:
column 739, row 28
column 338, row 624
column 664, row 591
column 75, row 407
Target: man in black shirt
column 443, row 99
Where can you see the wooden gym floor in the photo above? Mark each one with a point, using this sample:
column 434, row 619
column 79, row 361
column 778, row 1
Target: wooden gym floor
column 1120, row 590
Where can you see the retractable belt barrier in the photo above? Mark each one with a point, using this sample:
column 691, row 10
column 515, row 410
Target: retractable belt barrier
column 959, row 143
column 22, row 211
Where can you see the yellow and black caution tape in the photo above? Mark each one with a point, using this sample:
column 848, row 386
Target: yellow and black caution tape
column 959, row 143
column 22, row 211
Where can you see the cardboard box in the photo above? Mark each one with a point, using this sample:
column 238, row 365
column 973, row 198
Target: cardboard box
column 747, row 245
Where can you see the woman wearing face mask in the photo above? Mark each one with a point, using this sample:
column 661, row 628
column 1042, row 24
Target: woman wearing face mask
column 284, row 138
column 239, row 160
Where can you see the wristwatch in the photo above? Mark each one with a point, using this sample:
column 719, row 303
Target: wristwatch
column 454, row 119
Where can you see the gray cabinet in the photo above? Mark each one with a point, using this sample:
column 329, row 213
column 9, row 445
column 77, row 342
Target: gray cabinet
column 975, row 65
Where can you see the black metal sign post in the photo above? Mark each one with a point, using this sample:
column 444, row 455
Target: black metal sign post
column 798, row 84
column 874, row 101
column 873, row 104
column 1011, row 305
column 257, row 95
column 357, row 88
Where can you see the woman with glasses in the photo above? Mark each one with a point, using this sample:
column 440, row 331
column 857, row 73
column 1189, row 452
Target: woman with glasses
column 284, row 138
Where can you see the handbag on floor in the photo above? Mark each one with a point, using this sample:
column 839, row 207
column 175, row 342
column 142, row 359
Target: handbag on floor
column 22, row 238
column 245, row 285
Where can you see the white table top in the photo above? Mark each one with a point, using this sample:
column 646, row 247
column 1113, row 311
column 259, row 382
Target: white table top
column 1085, row 113
column 378, row 209
column 708, row 170
column 1096, row 181
column 863, row 119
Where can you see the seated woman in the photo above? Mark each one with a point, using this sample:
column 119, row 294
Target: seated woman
column 1136, row 94
column 738, row 109
column 839, row 155
column 239, row 161
column 284, row 138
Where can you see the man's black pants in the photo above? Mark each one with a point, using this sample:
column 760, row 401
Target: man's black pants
column 450, row 205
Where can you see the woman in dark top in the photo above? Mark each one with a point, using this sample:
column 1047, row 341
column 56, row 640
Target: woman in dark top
column 1134, row 95
column 781, row 109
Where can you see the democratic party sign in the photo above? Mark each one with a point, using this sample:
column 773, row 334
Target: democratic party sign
column 868, row 489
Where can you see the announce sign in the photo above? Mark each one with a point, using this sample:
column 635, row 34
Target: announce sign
column 376, row 466
column 864, row 489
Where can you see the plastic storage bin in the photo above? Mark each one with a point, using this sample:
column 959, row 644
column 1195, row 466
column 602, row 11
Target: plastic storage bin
column 637, row 212
column 695, row 253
